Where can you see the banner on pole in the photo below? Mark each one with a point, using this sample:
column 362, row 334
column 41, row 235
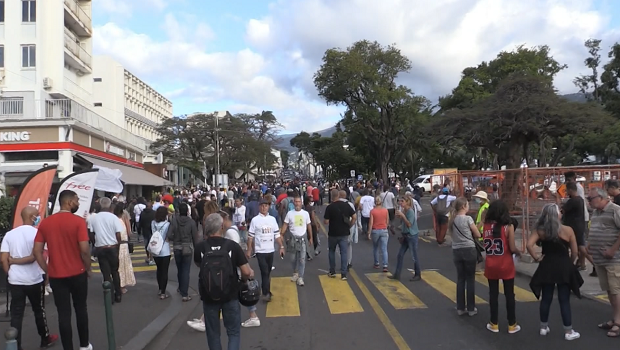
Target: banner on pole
column 34, row 192
column 82, row 183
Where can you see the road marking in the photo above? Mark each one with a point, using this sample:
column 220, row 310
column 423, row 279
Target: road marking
column 425, row 240
column 339, row 296
column 324, row 271
column 137, row 260
column 444, row 286
column 135, row 268
column 285, row 302
column 520, row 293
column 395, row 292
column 603, row 297
column 400, row 342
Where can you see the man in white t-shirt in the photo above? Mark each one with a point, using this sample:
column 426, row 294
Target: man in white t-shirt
column 367, row 203
column 298, row 221
column 25, row 276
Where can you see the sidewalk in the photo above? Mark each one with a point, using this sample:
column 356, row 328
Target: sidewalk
column 137, row 319
column 526, row 267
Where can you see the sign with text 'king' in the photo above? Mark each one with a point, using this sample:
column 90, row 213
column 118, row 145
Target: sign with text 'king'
column 82, row 183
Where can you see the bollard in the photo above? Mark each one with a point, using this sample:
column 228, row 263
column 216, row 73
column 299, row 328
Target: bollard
column 11, row 339
column 107, row 299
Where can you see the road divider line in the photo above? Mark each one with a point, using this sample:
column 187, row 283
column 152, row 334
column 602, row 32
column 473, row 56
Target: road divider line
column 400, row 342
column 520, row 293
column 339, row 296
column 444, row 286
column 285, row 302
column 395, row 292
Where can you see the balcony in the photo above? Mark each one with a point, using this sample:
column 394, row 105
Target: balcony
column 16, row 109
column 75, row 55
column 77, row 19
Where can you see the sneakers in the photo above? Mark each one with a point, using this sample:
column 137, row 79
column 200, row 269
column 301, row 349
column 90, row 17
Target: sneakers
column 545, row 331
column 251, row 322
column 197, row 324
column 472, row 313
column 300, row 281
column 493, row 327
column 572, row 335
column 343, row 277
column 514, row 328
column 89, row 347
column 295, row 277
column 331, row 275
column 49, row 341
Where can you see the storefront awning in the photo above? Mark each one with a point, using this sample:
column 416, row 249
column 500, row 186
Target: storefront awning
column 131, row 176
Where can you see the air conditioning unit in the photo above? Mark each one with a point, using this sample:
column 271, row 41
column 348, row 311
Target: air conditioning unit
column 47, row 83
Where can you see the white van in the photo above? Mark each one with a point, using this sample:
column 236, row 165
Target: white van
column 424, row 182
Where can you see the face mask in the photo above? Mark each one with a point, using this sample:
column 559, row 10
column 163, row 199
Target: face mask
column 37, row 220
column 477, row 200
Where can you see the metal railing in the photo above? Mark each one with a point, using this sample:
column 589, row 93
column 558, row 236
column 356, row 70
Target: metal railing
column 66, row 108
column 80, row 14
column 72, row 43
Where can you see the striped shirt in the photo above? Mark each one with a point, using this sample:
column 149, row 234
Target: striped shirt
column 604, row 231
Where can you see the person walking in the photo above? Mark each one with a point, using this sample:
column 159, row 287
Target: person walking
column 409, row 238
column 216, row 256
column 339, row 216
column 67, row 241
column 182, row 234
column 378, row 232
column 465, row 256
column 499, row 244
column 125, row 266
column 298, row 221
column 162, row 258
column 555, row 267
column 25, row 277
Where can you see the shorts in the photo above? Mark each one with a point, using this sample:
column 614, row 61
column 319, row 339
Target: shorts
column 580, row 238
column 609, row 278
column 392, row 214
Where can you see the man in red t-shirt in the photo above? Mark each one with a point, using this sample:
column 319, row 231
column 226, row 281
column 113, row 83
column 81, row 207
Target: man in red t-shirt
column 67, row 240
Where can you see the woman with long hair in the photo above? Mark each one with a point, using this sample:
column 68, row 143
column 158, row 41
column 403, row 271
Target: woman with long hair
column 464, row 232
column 499, row 244
column 409, row 238
column 555, row 267
column 378, row 232
column 162, row 260
column 125, row 267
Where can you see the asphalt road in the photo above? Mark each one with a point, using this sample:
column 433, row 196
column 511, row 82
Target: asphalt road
column 368, row 312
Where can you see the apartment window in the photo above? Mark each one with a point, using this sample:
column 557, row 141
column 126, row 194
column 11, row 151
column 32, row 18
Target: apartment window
column 1, row 11
column 1, row 56
column 29, row 56
column 98, row 104
column 29, row 11
column 97, row 80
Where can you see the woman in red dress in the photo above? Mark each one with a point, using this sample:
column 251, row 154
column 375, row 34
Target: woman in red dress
column 499, row 244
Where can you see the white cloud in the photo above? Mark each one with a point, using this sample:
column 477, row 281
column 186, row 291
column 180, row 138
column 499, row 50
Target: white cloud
column 441, row 37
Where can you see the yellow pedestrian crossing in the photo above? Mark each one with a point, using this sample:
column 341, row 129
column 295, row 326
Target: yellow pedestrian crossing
column 286, row 302
column 138, row 258
column 444, row 286
column 339, row 296
column 395, row 292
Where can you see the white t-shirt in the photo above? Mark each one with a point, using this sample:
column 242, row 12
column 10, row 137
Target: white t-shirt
column 448, row 201
column 233, row 234
column 137, row 210
column 388, row 200
column 239, row 215
column 298, row 222
column 264, row 229
column 367, row 203
column 18, row 243
column 105, row 225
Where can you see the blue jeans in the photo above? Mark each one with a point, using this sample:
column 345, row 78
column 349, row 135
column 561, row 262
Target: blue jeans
column 342, row 242
column 231, row 313
column 299, row 258
column 184, row 263
column 380, row 240
column 563, row 299
column 409, row 243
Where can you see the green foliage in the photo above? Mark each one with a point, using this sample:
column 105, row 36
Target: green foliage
column 6, row 205
column 245, row 142
column 285, row 156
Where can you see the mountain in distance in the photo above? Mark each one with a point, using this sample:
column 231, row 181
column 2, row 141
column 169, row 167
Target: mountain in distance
column 284, row 141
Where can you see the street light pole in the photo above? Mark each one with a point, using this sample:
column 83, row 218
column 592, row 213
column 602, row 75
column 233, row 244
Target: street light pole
column 217, row 142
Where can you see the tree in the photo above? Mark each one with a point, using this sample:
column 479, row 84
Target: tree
column 245, row 142
column 285, row 155
column 363, row 79
column 588, row 84
column 303, row 142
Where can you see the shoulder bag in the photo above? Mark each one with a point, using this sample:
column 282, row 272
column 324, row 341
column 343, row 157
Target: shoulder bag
column 479, row 247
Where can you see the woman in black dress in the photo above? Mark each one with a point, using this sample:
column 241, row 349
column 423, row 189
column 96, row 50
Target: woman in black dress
column 556, row 267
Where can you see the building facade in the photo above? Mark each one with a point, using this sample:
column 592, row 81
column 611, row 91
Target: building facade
column 47, row 113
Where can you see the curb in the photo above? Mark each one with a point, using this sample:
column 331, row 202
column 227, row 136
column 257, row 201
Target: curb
column 146, row 335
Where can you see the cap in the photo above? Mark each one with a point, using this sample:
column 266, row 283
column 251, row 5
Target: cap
column 445, row 190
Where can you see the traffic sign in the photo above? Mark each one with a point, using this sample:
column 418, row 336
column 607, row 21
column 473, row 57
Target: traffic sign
column 352, row 173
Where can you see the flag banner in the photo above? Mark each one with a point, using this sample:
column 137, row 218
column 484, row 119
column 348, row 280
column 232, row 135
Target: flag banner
column 82, row 183
column 34, row 192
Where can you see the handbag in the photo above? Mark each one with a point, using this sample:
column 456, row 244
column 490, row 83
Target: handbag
column 187, row 249
column 479, row 247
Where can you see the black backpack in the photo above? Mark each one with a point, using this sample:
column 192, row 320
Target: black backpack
column 217, row 273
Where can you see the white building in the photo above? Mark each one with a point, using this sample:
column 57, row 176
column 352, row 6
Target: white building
column 46, row 97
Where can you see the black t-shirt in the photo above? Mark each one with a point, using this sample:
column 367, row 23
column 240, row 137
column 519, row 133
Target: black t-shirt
column 574, row 216
column 338, row 213
column 617, row 199
column 234, row 251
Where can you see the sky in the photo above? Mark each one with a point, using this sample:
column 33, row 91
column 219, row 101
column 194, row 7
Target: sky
column 246, row 56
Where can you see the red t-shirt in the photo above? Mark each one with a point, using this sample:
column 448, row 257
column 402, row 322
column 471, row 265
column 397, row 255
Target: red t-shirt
column 499, row 264
column 63, row 232
column 315, row 194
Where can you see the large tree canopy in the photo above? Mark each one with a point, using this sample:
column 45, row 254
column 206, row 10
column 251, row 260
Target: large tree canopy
column 379, row 111
column 245, row 142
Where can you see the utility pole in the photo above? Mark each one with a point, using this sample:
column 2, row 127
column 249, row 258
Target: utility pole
column 217, row 143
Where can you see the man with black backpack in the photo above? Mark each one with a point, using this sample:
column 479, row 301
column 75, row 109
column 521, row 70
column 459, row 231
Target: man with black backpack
column 218, row 259
column 441, row 207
